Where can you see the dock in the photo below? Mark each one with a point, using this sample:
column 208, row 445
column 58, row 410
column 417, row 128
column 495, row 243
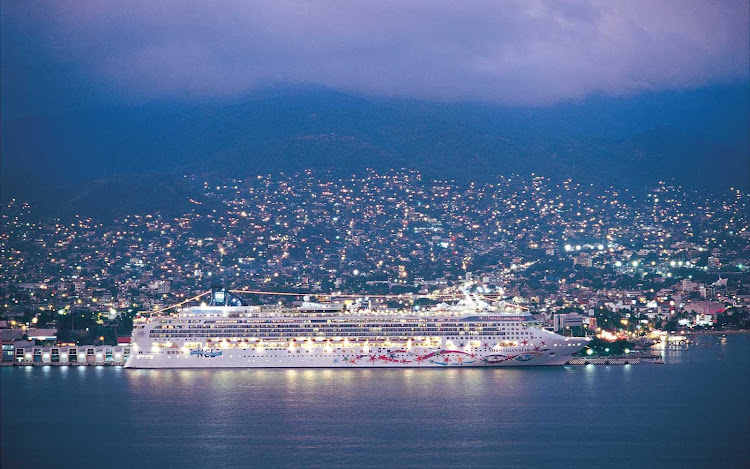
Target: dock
column 65, row 355
column 61, row 364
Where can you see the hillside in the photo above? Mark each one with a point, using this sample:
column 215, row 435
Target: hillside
column 693, row 138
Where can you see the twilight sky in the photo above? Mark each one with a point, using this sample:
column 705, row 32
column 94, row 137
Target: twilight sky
column 64, row 54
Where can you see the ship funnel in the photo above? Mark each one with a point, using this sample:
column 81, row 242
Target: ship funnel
column 220, row 296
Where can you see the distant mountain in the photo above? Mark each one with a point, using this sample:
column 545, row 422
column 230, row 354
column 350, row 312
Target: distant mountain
column 121, row 158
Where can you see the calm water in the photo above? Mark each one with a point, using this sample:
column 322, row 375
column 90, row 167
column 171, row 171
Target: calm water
column 692, row 412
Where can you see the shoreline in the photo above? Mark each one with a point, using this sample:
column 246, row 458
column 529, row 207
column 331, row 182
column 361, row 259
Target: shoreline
column 732, row 332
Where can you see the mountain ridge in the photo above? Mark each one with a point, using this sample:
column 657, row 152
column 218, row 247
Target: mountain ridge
column 612, row 141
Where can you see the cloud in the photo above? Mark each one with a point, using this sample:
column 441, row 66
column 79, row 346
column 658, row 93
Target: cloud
column 523, row 52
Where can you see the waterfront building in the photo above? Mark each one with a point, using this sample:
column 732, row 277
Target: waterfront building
column 562, row 321
column 28, row 353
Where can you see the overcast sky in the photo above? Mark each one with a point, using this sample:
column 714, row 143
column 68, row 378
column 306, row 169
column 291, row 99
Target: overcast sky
column 62, row 54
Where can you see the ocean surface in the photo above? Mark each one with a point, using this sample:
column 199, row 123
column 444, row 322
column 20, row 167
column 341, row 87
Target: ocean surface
column 693, row 411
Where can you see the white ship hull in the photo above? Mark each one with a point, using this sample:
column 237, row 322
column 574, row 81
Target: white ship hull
column 353, row 358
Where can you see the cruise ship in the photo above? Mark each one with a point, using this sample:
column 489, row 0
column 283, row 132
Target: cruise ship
column 225, row 332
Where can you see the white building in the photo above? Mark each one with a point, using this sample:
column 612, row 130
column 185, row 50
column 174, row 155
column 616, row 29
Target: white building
column 159, row 286
column 561, row 321
column 688, row 285
column 41, row 334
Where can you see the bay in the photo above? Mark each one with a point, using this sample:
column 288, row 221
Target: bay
column 694, row 411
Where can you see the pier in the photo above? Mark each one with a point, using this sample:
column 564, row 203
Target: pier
column 61, row 364
column 68, row 355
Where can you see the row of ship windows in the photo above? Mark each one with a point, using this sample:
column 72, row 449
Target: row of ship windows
column 181, row 321
column 333, row 329
column 334, row 324
column 306, row 319
column 294, row 336
column 307, row 354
